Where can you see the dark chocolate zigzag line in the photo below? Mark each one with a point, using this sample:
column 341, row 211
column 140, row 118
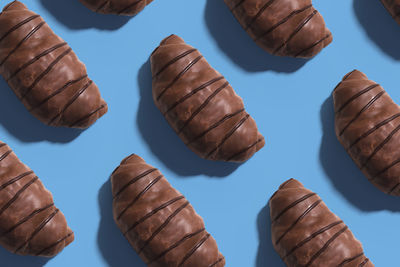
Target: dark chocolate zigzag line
column 77, row 122
column 175, row 59
column 100, row 7
column 27, row 218
column 55, row 243
column 151, row 213
column 314, row 44
column 32, row 32
column 37, row 230
column 20, row 24
column 162, row 226
column 134, row 180
column 45, row 72
column 15, row 179
column 193, row 92
column 246, row 149
column 385, row 169
column 346, row 261
column 8, row 152
column 193, row 250
column 284, row 20
column 373, row 129
column 202, row 106
column 370, row 103
column 297, row 30
column 177, row 244
column 186, row 69
column 259, row 13
column 19, row 192
column 216, row 262
column 325, row 247
column 147, row 188
column 311, row 237
column 393, row 188
column 291, row 205
column 237, row 5
column 354, row 97
column 344, row 78
column 228, row 135
column 129, row 7
column 215, row 125
column 33, row 60
column 364, row 262
column 308, row 210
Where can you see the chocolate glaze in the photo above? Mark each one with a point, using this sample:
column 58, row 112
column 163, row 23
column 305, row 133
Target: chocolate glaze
column 306, row 233
column 44, row 72
column 285, row 27
column 200, row 105
column 393, row 6
column 118, row 7
column 158, row 221
column 30, row 224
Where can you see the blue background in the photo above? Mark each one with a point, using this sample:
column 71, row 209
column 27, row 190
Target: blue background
column 289, row 99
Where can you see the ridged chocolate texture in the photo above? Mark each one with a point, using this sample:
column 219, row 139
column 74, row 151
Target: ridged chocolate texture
column 44, row 72
column 283, row 27
column 158, row 221
column 118, row 7
column 30, row 223
column 306, row 233
column 393, row 6
column 200, row 105
column 367, row 124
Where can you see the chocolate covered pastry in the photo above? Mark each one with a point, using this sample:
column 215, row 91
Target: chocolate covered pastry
column 158, row 221
column 30, row 223
column 306, row 233
column 44, row 72
column 118, row 7
column 285, row 27
column 393, row 6
column 367, row 125
column 200, row 105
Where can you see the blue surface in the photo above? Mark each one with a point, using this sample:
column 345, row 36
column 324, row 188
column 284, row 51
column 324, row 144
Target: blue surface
column 289, row 99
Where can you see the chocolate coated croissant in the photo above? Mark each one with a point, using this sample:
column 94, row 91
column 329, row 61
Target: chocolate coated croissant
column 158, row 221
column 393, row 6
column 306, row 233
column 200, row 105
column 283, row 27
column 30, row 223
column 118, row 7
column 44, row 72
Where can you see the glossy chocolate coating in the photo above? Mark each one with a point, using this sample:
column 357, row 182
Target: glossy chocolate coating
column 285, row 27
column 367, row 125
column 200, row 105
column 118, row 7
column 44, row 72
column 393, row 6
column 306, row 233
column 158, row 221
column 30, row 223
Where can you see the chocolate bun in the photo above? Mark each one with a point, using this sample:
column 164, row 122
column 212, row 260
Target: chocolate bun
column 118, row 7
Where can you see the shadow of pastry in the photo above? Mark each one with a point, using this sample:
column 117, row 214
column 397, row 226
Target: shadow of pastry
column 9, row 259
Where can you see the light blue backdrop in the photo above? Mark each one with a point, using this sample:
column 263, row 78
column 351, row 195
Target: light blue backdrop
column 289, row 99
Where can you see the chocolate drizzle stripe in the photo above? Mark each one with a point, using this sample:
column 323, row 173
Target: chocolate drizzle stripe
column 385, row 169
column 193, row 250
column 325, row 247
column 393, row 188
column 8, row 6
column 228, row 135
column 314, row 44
column 346, row 261
column 246, row 149
column 147, row 188
column 202, row 106
column 129, row 7
column 162, row 43
column 19, row 192
column 33, row 60
column 122, row 163
column 45, row 72
column 370, row 103
column 344, row 78
column 281, row 187
column 259, row 13
column 373, row 129
column 77, row 122
column 100, row 7
column 175, row 59
column 308, row 210
column 354, row 97
column 37, row 230
column 297, row 30
column 162, row 226
column 151, row 213
column 55, row 243
column 295, row 203
column 311, row 237
column 186, row 69
column 27, row 218
column 193, row 92
column 134, row 180
column 2, row 157
column 32, row 32
column 15, row 179
column 215, row 125
column 2, row 144
column 364, row 262
column 20, row 24
column 177, row 244
column 216, row 262
column 284, row 20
